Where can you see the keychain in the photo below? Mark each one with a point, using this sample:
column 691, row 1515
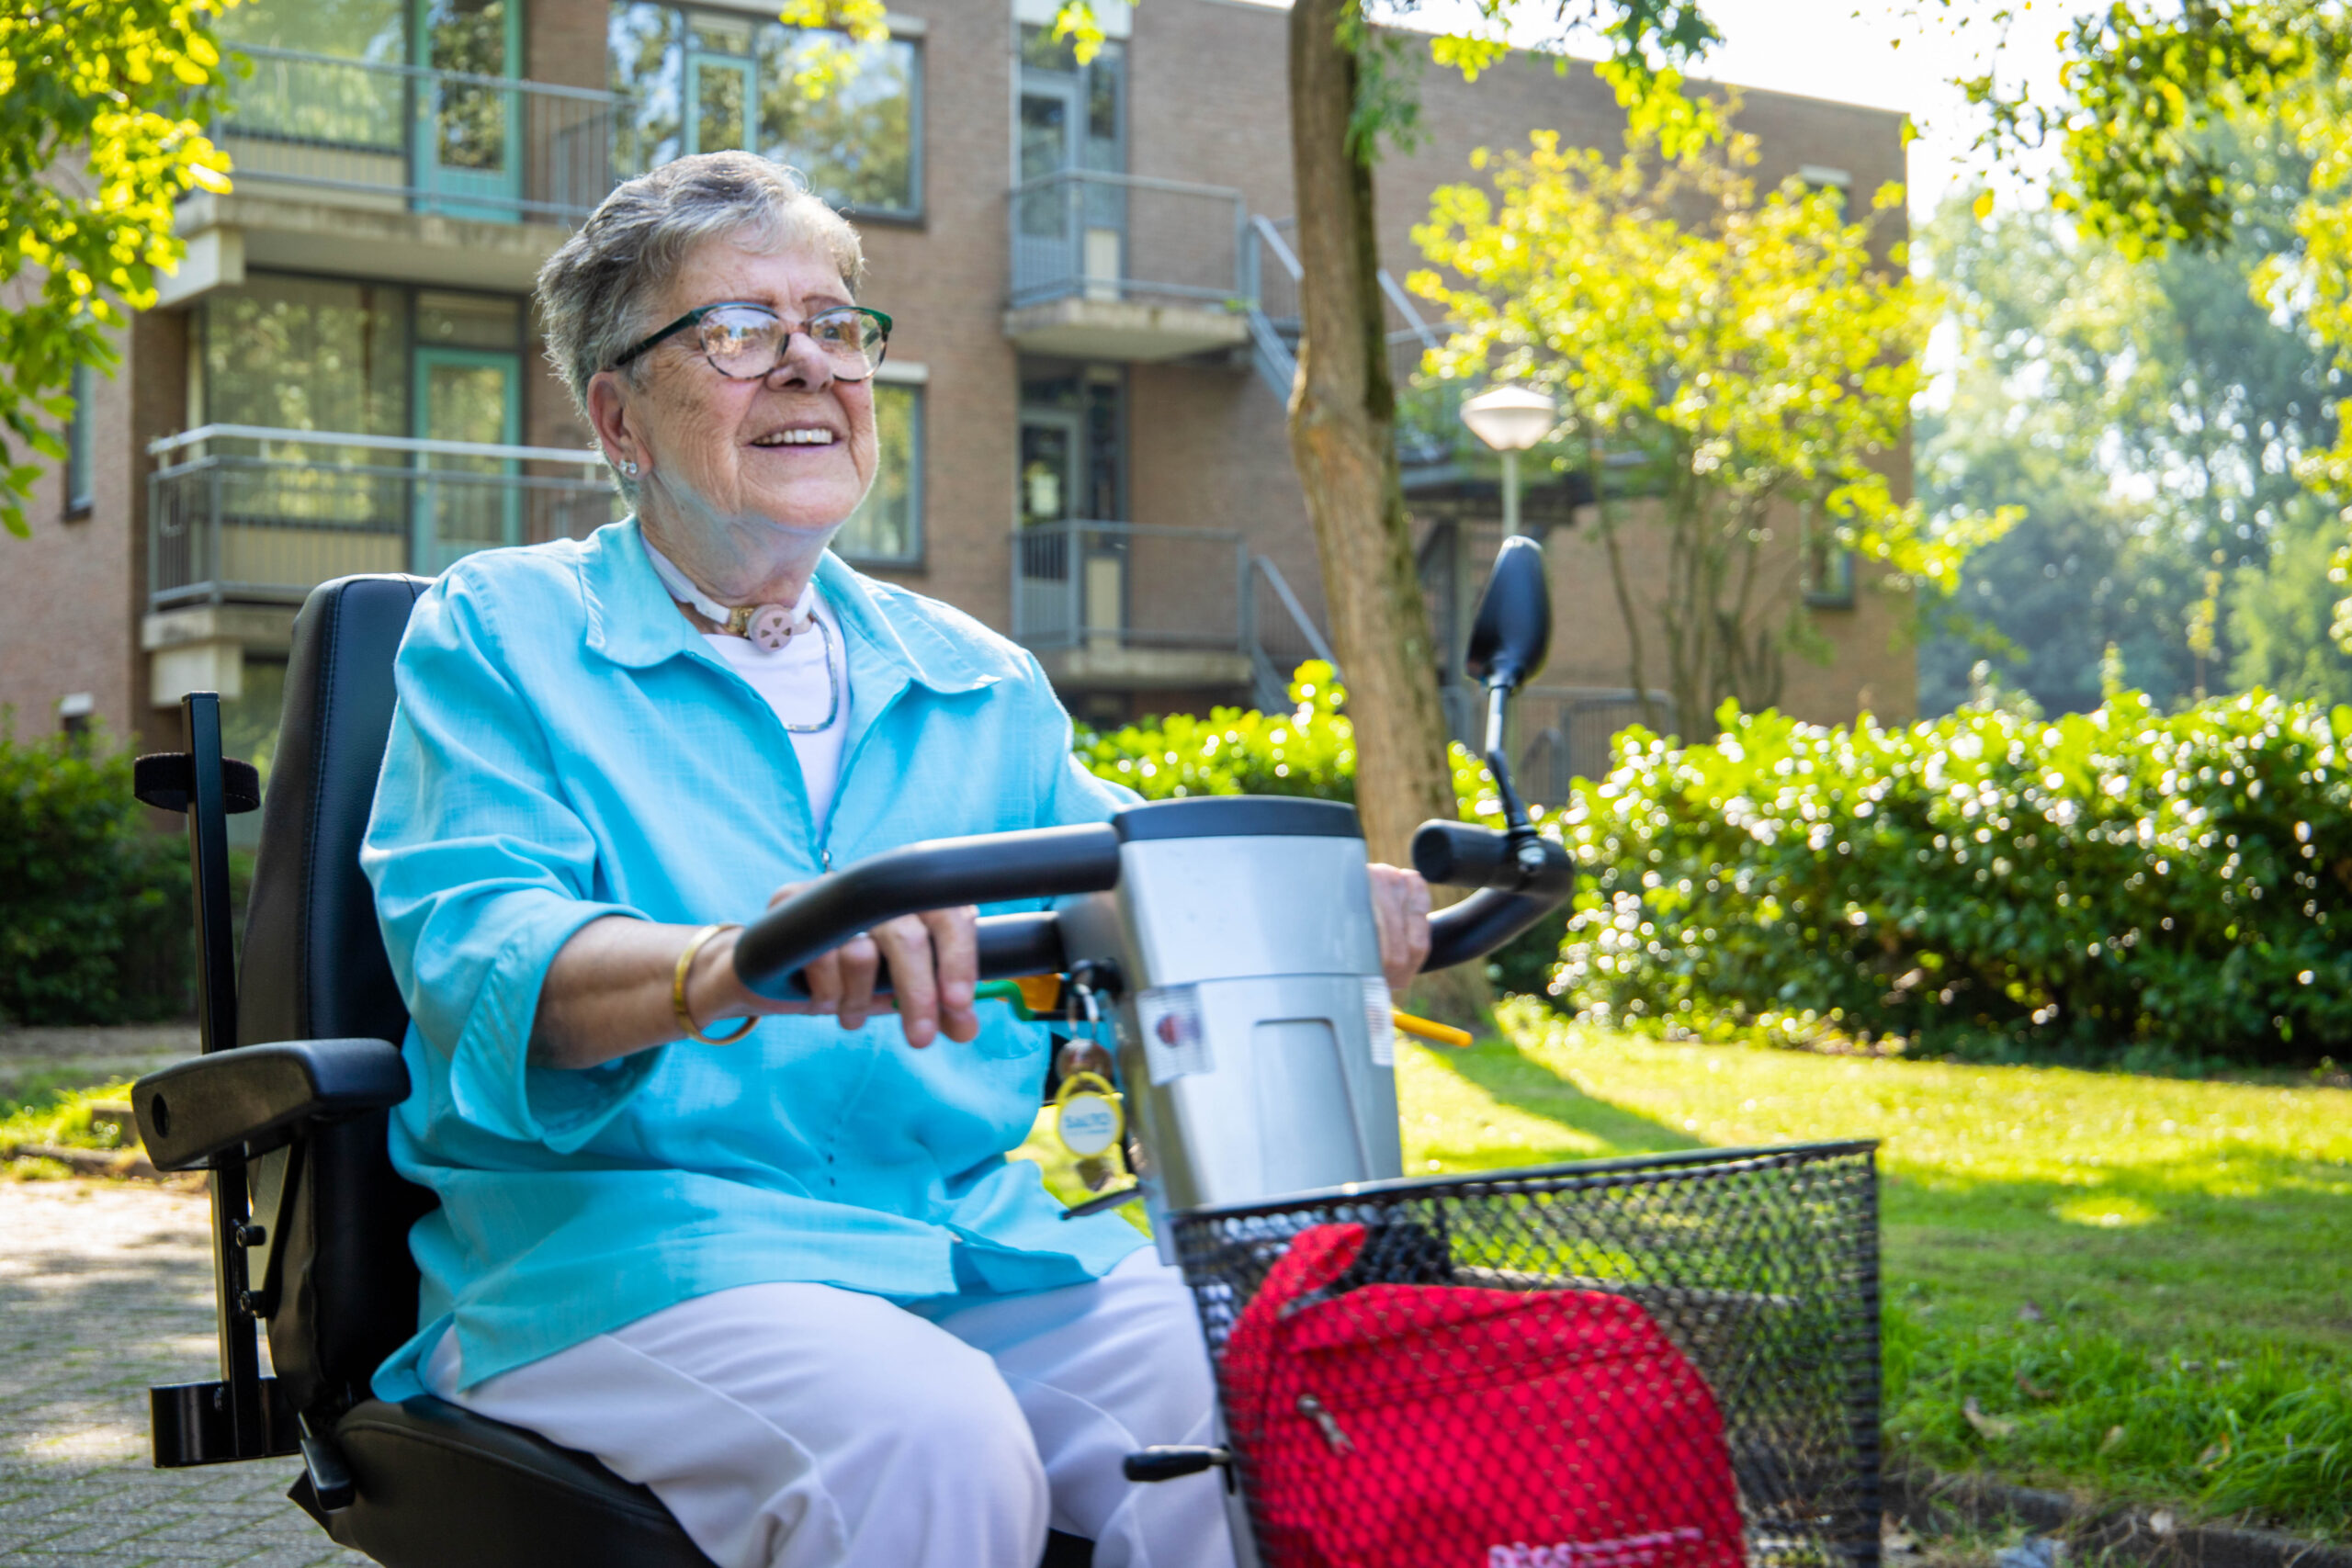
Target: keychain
column 1090, row 1117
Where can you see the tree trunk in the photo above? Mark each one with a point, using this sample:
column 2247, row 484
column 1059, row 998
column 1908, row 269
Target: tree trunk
column 1342, row 436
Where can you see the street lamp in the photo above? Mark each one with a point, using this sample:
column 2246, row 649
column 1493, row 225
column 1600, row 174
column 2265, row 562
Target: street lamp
column 1510, row 419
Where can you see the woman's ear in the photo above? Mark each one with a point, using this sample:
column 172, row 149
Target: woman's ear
column 614, row 420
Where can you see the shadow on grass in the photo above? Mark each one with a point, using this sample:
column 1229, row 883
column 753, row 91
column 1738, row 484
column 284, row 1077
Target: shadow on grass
column 2239, row 1244
column 1555, row 1121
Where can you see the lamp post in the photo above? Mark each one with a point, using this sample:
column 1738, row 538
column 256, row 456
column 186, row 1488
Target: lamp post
column 1510, row 419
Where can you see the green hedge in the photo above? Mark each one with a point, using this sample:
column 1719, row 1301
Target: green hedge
column 1310, row 750
column 94, row 908
column 2121, row 884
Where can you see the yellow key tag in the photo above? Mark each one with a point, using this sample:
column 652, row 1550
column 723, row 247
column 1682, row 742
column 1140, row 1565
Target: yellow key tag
column 1088, row 1117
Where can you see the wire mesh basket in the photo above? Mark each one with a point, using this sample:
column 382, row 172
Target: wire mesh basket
column 1662, row 1362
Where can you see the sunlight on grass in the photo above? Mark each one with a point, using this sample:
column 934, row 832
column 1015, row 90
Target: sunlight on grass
column 2140, row 1280
column 1453, row 1122
column 2143, row 1205
column 60, row 1116
column 1960, row 1126
column 2105, row 1213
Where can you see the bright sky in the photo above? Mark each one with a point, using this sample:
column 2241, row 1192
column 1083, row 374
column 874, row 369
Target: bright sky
column 1890, row 53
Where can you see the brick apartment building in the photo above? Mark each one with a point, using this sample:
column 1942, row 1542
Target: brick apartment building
column 1082, row 412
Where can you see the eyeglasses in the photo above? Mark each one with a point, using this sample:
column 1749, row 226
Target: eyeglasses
column 744, row 342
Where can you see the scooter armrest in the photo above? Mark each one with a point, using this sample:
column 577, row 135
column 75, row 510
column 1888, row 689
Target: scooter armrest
column 254, row 1098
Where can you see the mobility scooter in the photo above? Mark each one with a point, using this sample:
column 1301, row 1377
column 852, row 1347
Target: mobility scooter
column 1695, row 1330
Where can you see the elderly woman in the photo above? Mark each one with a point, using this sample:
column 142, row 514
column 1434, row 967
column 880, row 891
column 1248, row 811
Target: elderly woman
column 780, row 1272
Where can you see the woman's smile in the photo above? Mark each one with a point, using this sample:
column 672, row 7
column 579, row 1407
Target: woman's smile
column 797, row 435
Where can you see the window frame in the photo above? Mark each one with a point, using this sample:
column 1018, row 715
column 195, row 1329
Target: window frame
column 913, row 212
column 1826, row 570
column 79, row 470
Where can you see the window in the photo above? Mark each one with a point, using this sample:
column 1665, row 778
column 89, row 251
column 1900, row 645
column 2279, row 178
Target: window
column 77, row 444
column 707, row 80
column 467, row 320
column 338, row 105
column 1837, row 182
column 249, row 725
column 339, row 357
column 1071, row 121
column 1098, row 124
column 887, row 525
column 308, row 354
column 1828, row 567
column 349, row 30
column 1073, row 441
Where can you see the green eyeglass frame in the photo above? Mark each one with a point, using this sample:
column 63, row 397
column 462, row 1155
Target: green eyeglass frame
column 693, row 318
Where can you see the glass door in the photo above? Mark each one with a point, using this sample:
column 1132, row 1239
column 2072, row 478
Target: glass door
column 467, row 154
column 1071, row 233
column 1050, row 444
column 1047, row 256
column 1074, row 565
column 1052, row 593
column 466, row 502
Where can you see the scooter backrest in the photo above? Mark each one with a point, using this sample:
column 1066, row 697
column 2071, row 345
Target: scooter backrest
column 314, row 967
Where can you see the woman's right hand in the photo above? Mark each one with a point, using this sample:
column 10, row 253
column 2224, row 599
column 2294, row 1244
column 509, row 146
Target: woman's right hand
column 934, row 977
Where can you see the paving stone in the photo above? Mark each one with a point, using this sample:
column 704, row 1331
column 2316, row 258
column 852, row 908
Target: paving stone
column 104, row 1289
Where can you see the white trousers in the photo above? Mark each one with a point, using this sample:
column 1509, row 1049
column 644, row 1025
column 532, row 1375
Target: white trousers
column 797, row 1426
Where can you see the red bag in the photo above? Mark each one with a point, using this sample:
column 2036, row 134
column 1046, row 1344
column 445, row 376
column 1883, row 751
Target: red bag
column 1446, row 1426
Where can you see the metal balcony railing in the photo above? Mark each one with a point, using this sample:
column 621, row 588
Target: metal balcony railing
column 1428, row 420
column 1283, row 635
column 1128, row 585
column 1125, row 238
column 252, row 515
column 408, row 139
column 1558, row 734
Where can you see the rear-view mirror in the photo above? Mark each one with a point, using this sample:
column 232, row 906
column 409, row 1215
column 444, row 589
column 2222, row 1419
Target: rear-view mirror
column 1512, row 636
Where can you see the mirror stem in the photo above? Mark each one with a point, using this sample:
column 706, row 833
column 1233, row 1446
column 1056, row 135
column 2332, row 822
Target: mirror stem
column 1526, row 844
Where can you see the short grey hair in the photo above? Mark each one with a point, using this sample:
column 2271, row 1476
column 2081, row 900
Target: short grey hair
column 596, row 292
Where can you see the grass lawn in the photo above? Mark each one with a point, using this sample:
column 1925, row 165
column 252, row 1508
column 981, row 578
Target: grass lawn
column 52, row 1108
column 2142, row 1286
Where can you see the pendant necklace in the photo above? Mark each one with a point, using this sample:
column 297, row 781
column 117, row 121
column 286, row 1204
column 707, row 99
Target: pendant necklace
column 767, row 627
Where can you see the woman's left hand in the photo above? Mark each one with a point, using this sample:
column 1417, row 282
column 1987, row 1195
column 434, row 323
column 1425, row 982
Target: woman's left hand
column 1400, row 908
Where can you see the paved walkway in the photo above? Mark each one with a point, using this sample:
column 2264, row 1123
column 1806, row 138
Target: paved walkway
column 106, row 1288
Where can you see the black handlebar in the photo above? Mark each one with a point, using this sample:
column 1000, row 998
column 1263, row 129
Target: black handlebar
column 1520, row 879
column 1479, row 924
column 1519, row 882
column 1460, row 854
column 1044, row 863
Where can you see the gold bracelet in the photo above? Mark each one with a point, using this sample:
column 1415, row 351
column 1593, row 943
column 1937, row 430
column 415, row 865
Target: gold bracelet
column 678, row 991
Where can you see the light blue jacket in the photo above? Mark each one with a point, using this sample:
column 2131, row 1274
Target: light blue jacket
column 566, row 747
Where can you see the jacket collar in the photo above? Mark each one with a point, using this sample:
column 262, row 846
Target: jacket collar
column 632, row 622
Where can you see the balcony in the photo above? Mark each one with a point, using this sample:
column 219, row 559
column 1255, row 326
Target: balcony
column 406, row 138
column 1131, row 607
column 378, row 169
column 245, row 515
column 1126, row 267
